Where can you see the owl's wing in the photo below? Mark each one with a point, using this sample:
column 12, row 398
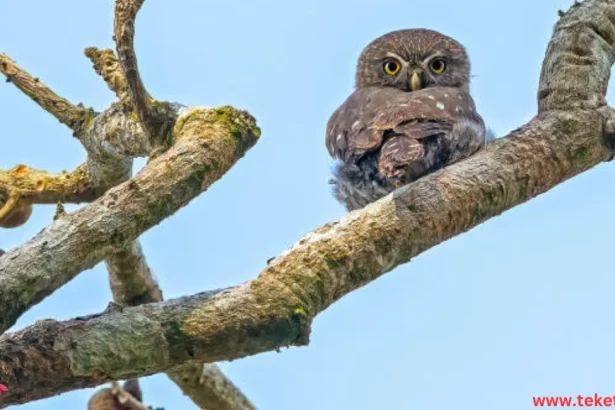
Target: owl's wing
column 360, row 124
column 396, row 153
column 348, row 134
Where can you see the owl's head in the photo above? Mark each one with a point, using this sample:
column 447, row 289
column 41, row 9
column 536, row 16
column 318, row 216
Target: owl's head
column 413, row 59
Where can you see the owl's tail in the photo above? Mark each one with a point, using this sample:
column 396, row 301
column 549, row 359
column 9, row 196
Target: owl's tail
column 356, row 184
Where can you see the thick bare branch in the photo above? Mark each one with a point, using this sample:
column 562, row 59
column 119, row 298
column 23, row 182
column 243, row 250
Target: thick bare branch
column 132, row 282
column 216, row 125
column 156, row 323
column 124, row 30
column 112, row 140
column 207, row 144
column 577, row 67
column 74, row 116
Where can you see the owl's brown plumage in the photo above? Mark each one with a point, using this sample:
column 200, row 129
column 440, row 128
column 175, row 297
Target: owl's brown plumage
column 411, row 113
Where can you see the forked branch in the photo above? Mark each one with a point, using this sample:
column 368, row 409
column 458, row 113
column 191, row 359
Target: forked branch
column 74, row 116
column 112, row 139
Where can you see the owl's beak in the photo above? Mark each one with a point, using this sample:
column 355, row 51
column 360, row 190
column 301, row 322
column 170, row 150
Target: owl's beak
column 416, row 82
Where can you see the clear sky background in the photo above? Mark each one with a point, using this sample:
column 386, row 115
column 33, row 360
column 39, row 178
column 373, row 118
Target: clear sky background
column 520, row 306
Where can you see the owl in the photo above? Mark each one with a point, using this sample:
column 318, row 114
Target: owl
column 411, row 113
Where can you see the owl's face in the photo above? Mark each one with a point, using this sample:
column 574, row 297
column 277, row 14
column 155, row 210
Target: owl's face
column 413, row 59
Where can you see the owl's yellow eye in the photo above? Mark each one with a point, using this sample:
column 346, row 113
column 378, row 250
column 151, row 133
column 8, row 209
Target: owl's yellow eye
column 438, row 65
column 391, row 67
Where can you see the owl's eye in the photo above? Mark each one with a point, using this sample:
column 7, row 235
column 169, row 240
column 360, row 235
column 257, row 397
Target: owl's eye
column 391, row 67
column 438, row 65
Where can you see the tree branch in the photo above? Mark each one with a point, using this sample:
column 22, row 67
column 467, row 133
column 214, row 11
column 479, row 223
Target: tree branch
column 276, row 309
column 577, row 67
column 132, row 284
column 207, row 144
column 130, row 277
column 108, row 67
column 34, row 349
column 206, row 140
column 22, row 186
column 74, row 116
column 41, row 187
column 112, row 139
column 208, row 388
column 124, row 30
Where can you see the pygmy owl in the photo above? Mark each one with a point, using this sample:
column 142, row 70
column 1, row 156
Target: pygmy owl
column 410, row 114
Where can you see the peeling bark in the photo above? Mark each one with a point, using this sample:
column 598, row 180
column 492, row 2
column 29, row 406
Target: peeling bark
column 572, row 133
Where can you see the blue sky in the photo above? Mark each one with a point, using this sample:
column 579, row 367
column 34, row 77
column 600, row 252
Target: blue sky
column 518, row 307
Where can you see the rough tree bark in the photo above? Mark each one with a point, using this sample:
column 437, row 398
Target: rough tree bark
column 572, row 132
column 112, row 139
